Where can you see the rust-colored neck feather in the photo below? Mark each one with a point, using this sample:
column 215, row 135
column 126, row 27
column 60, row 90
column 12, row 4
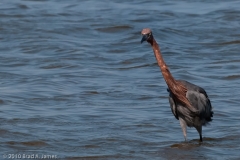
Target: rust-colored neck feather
column 178, row 90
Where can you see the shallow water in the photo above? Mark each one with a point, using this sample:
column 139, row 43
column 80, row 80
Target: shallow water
column 77, row 84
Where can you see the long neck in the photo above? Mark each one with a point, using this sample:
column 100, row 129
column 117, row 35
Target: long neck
column 165, row 71
column 176, row 88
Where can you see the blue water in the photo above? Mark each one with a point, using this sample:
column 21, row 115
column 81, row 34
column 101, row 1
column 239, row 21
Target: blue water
column 77, row 84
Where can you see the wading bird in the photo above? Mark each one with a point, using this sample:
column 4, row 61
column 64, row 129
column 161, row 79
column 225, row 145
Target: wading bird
column 189, row 103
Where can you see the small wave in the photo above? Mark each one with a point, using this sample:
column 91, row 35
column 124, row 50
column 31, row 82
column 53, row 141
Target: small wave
column 28, row 143
column 114, row 29
column 34, row 143
column 139, row 66
column 53, row 66
column 91, row 92
column 231, row 61
column 232, row 77
column 185, row 145
column 230, row 42
column 22, row 6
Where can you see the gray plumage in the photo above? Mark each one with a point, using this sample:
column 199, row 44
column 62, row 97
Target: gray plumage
column 199, row 115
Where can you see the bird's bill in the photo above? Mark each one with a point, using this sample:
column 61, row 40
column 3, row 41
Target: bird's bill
column 144, row 38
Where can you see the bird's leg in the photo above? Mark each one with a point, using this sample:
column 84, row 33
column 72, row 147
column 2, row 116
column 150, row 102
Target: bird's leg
column 184, row 128
column 199, row 129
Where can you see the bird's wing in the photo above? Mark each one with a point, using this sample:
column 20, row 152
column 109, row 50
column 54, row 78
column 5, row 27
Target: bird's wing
column 198, row 97
column 172, row 105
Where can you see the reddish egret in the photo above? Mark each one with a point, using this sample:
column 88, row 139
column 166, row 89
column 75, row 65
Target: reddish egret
column 189, row 103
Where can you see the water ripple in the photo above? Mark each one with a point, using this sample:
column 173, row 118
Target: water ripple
column 77, row 83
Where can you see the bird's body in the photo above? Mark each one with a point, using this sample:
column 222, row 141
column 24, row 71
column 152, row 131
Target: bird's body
column 197, row 118
column 189, row 103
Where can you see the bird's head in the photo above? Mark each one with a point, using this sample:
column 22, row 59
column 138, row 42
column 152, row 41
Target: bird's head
column 147, row 35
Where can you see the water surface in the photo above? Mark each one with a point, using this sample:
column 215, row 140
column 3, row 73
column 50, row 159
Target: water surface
column 77, row 83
